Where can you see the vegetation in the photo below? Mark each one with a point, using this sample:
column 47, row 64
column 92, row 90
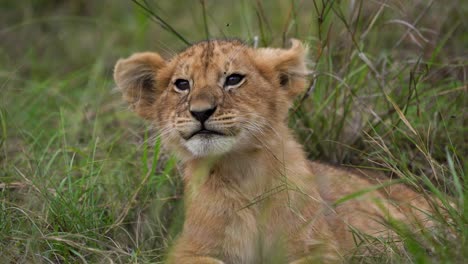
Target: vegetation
column 82, row 180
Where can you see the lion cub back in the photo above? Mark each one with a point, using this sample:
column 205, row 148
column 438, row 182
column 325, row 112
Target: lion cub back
column 363, row 200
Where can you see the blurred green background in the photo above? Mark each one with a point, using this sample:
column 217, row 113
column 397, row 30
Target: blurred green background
column 83, row 180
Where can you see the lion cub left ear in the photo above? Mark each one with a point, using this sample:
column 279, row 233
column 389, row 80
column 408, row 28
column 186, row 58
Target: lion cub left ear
column 136, row 78
column 289, row 66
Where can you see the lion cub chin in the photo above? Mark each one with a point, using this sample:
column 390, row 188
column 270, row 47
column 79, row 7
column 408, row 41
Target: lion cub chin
column 251, row 196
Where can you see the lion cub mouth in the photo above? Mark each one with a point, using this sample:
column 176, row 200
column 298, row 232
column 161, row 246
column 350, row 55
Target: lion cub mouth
column 205, row 133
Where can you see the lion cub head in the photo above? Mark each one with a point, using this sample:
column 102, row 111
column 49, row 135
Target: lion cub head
column 216, row 96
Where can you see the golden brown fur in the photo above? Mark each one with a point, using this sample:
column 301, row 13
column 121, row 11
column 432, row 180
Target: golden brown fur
column 250, row 192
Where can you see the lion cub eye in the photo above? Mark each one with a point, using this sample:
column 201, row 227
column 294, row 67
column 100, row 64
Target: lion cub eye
column 233, row 79
column 182, row 85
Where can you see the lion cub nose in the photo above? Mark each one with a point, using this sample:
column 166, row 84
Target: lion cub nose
column 203, row 115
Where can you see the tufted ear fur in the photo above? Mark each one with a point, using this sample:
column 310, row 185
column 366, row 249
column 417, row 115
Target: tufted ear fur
column 136, row 78
column 289, row 65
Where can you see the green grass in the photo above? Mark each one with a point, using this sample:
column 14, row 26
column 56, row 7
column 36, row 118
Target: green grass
column 82, row 180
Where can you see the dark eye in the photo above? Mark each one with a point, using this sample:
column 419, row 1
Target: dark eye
column 182, row 85
column 233, row 79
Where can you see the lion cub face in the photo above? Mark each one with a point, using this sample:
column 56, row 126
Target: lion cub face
column 216, row 96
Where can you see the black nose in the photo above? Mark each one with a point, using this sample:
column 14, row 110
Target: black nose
column 202, row 116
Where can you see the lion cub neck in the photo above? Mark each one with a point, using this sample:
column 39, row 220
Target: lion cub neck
column 252, row 171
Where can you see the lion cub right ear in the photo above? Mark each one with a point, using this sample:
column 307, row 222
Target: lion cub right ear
column 136, row 79
column 289, row 66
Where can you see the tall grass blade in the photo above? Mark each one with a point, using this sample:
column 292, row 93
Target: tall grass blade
column 161, row 21
column 366, row 190
column 205, row 22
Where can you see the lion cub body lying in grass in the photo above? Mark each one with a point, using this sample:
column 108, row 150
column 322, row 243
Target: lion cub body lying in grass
column 250, row 192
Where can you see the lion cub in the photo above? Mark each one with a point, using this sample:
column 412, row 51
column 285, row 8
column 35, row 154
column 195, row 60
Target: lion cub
column 250, row 192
